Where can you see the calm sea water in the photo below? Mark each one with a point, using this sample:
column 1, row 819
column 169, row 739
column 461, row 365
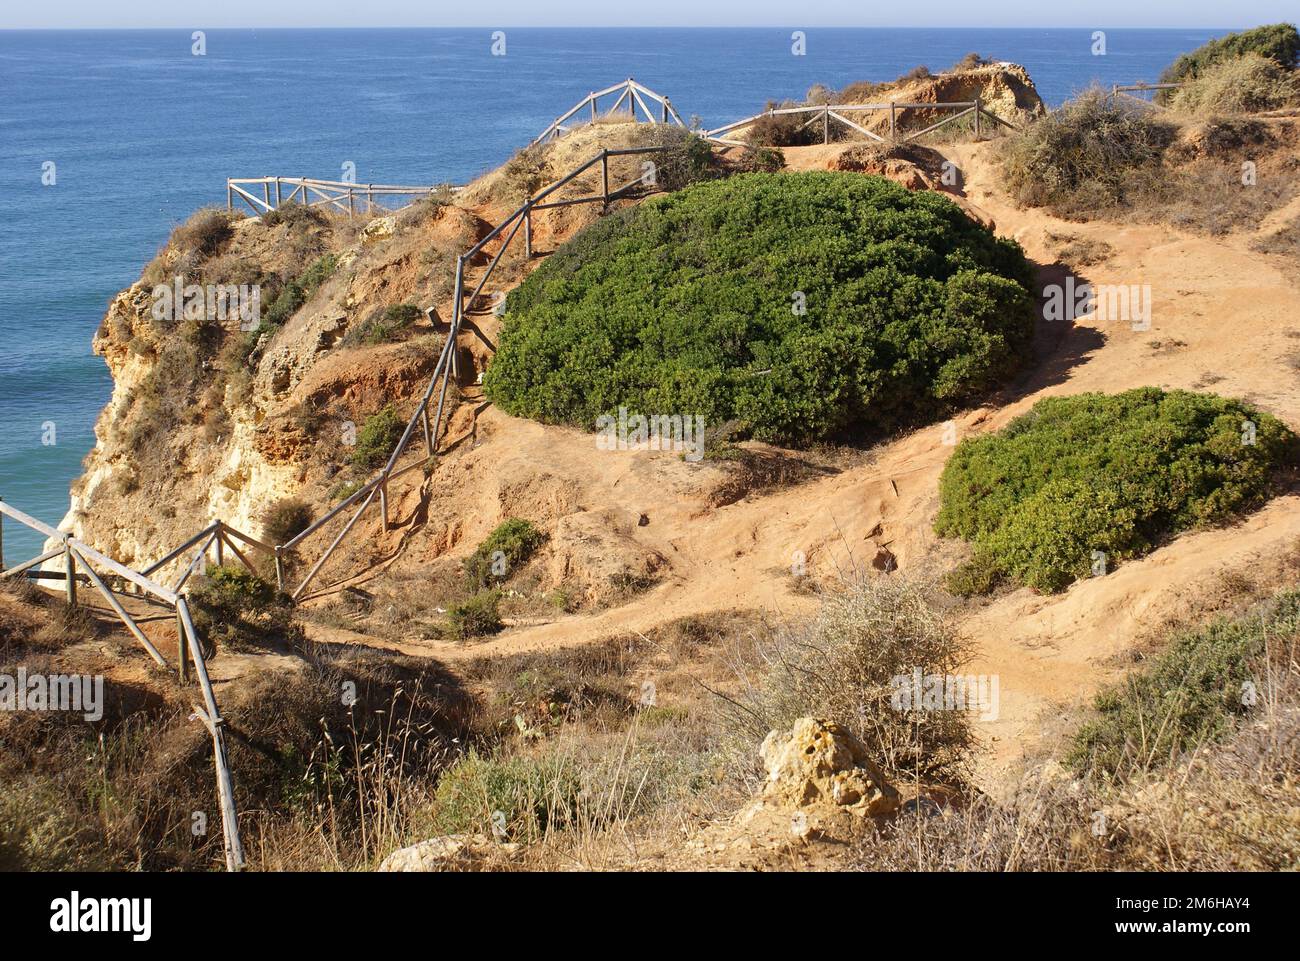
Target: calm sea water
column 142, row 132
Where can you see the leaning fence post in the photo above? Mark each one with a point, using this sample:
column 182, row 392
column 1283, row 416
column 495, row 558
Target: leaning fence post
column 383, row 503
column 70, row 567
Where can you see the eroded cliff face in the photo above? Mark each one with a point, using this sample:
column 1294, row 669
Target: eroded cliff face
column 1004, row 90
column 211, row 420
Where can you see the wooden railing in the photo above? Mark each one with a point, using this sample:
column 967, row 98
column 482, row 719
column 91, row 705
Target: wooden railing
column 338, row 195
column 827, row 112
column 629, row 92
column 79, row 563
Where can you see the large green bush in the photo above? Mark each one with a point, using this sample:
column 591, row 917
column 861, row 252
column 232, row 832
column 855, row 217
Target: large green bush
column 1279, row 42
column 1110, row 473
column 688, row 304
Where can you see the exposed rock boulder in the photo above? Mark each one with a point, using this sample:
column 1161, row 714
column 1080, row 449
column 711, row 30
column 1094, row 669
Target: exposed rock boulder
column 451, row 851
column 821, row 766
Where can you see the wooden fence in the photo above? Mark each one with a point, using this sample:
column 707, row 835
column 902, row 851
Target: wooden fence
column 340, row 196
column 836, row 112
column 630, row 93
column 79, row 563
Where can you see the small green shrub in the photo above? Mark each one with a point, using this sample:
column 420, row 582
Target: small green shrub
column 1111, row 473
column 533, row 794
column 477, row 616
column 515, row 540
column 1191, row 693
column 1278, row 42
column 286, row 519
column 377, row 438
column 237, row 609
column 691, row 303
column 298, row 291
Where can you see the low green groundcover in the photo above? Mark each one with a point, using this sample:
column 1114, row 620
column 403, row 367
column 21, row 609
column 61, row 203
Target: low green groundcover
column 804, row 306
column 1080, row 483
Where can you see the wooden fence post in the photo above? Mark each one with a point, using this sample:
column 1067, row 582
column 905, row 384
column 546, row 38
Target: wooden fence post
column 277, row 192
column 528, row 234
column 893, row 128
column 826, row 124
column 604, row 175
column 383, row 503
column 266, row 192
column 70, row 569
column 230, row 198
column 592, row 97
column 279, row 568
column 977, row 118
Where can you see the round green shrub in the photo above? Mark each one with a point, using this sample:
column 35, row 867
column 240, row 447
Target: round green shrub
column 1111, row 473
column 690, row 304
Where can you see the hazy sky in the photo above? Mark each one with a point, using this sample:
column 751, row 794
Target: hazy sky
column 560, row 13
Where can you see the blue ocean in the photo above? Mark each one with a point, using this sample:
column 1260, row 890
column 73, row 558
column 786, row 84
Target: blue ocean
column 141, row 131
